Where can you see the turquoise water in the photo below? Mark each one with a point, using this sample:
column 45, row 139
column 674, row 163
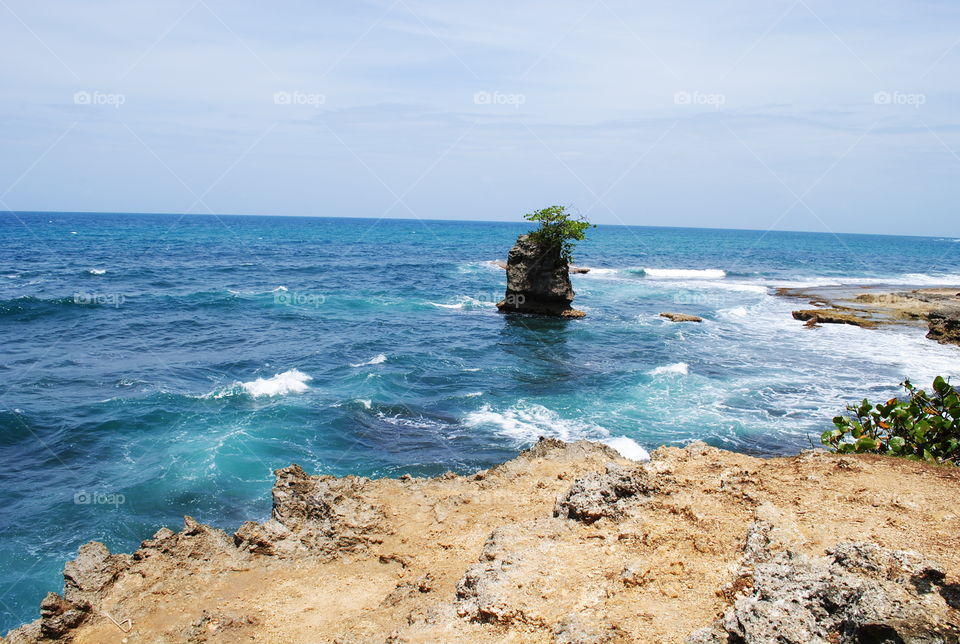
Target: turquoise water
column 154, row 366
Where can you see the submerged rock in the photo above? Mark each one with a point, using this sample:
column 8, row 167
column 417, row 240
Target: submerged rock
column 944, row 328
column 538, row 282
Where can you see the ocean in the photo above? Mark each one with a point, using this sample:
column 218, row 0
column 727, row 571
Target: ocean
column 153, row 366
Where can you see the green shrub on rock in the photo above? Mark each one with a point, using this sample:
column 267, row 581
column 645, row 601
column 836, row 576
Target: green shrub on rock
column 558, row 231
column 920, row 427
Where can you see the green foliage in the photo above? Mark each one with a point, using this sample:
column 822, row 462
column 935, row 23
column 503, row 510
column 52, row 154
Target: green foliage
column 920, row 427
column 558, row 230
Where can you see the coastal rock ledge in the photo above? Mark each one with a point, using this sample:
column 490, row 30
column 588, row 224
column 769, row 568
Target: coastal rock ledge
column 538, row 282
column 568, row 542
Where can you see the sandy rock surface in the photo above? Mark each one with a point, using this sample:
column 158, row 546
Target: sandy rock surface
column 565, row 543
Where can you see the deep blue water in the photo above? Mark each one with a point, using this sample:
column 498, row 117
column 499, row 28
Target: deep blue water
column 131, row 346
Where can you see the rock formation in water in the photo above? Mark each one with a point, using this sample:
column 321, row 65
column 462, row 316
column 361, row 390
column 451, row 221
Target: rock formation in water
column 538, row 282
column 944, row 328
column 681, row 317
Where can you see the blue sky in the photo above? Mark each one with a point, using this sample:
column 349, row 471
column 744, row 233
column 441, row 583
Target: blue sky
column 792, row 115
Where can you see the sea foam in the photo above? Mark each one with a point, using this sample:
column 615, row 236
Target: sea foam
column 679, row 369
column 627, row 448
column 465, row 302
column 377, row 359
column 292, row 381
column 685, row 273
column 97, row 271
column 527, row 422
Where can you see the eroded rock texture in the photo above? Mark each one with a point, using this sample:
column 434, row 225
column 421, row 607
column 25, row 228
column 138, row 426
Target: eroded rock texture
column 538, row 282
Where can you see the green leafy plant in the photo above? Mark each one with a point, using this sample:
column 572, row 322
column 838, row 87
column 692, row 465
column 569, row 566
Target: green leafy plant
column 558, row 231
column 920, row 426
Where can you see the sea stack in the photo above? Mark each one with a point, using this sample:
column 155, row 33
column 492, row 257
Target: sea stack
column 538, row 282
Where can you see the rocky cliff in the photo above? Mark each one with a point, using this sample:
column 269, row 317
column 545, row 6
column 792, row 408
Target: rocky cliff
column 565, row 543
column 538, row 282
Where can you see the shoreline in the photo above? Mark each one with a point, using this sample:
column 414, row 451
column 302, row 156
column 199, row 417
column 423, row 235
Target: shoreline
column 871, row 306
column 567, row 542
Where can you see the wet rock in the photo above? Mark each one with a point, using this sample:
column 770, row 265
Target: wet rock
column 538, row 282
column 859, row 592
column 833, row 316
column 681, row 317
column 604, row 494
column 944, row 328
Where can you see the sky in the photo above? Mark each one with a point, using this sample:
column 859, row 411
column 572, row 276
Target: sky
column 773, row 114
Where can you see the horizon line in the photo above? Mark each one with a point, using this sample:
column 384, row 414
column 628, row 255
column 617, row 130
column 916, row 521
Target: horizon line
column 482, row 221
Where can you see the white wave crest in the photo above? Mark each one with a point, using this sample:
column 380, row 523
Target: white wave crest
column 603, row 271
column 528, row 422
column 292, row 381
column 279, row 289
column 97, row 271
column 627, row 448
column 685, row 273
column 680, row 369
column 465, row 302
column 377, row 359
column 737, row 312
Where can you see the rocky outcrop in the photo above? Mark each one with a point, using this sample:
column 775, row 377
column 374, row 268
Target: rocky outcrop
column 869, row 306
column 323, row 515
column 606, row 494
column 86, row 580
column 538, row 282
column 832, row 316
column 681, row 317
column 944, row 328
column 567, row 542
column 859, row 592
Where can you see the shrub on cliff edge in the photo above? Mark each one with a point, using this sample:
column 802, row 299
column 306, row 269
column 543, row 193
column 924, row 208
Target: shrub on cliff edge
column 558, row 230
column 920, row 427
